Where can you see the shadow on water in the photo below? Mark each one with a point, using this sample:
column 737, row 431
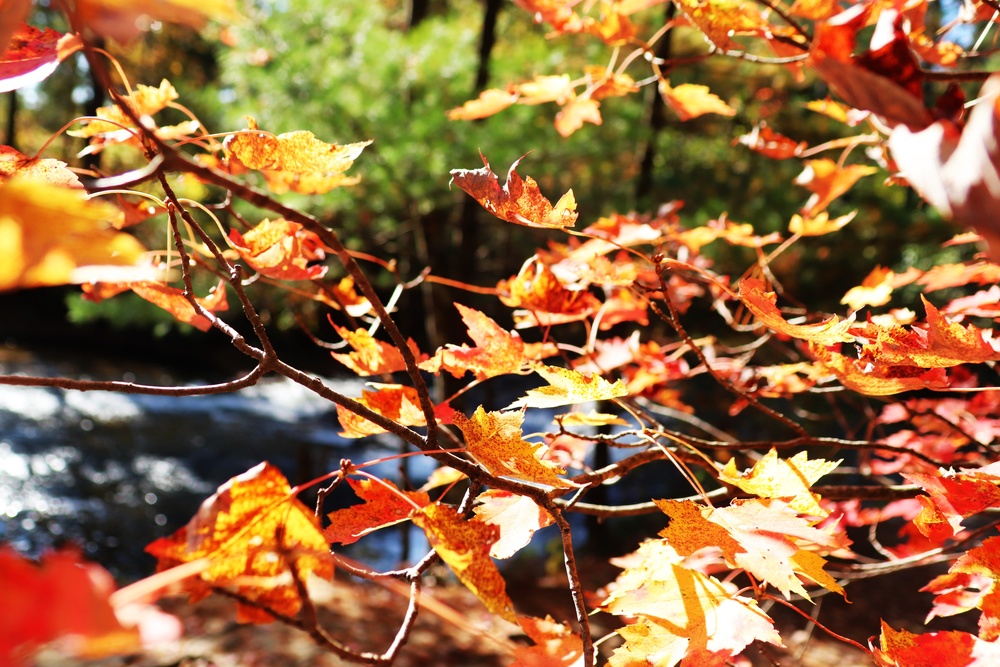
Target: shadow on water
column 111, row 472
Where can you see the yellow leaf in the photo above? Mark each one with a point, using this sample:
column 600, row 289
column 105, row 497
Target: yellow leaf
column 494, row 439
column 789, row 479
column 465, row 546
column 567, row 387
column 48, row 232
column 690, row 100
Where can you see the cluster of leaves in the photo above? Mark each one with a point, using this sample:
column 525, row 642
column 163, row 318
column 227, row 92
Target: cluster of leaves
column 754, row 526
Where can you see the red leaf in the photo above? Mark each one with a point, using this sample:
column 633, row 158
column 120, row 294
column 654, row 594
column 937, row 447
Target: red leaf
column 33, row 54
column 383, row 505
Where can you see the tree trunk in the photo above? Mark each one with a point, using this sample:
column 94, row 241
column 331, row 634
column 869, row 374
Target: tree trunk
column 657, row 121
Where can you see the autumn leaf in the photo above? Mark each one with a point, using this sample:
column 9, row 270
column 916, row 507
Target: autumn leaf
column 571, row 118
column 764, row 537
column 543, row 298
column 901, row 648
column 255, row 532
column 763, row 305
column 874, row 379
column 53, row 235
column 281, row 250
column 464, row 544
column 606, row 84
column 14, row 163
column 877, row 287
column 497, row 351
column 59, row 598
column 122, row 20
column 545, row 88
column 517, row 517
column 762, row 139
column 690, row 100
column 952, row 497
column 721, row 19
column 382, row 505
column 371, row 356
column 171, row 299
column 518, row 200
column 567, row 387
column 827, row 181
column 295, row 161
column 395, row 401
column 489, row 102
column 819, row 225
column 787, row 479
column 31, row 55
column 555, row 644
column 682, row 612
column 495, row 440
column 144, row 101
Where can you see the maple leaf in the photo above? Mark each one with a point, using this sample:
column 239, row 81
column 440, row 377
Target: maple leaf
column 940, row 345
column 31, row 55
column 571, row 118
column 827, row 181
column 372, row 356
column 489, row 102
column 54, row 172
column 145, row 101
column 819, row 225
column 984, row 561
column 951, row 498
column 760, row 536
column 762, row 139
column 494, row 439
column 721, row 19
column 464, row 545
column 382, row 505
column 544, row 298
column 877, row 287
column 957, row 170
column 877, row 380
column 497, row 351
column 567, row 387
column 281, row 249
column 171, row 299
column 789, row 479
column 604, row 84
column 518, row 518
column 518, row 200
column 53, row 235
column 343, row 296
column 545, row 88
column 254, row 532
column 683, row 612
column 60, row 598
column 295, row 161
column 395, row 401
column 763, row 305
column 901, row 648
column 690, row 100
column 122, row 19
column 943, row 276
column 555, row 644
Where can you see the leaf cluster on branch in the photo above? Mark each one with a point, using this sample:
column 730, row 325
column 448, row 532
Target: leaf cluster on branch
column 753, row 527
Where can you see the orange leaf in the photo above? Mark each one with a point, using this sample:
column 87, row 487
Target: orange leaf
column 984, row 561
column 558, row 13
column 518, row 200
column 555, row 644
column 382, row 505
column 145, row 101
column 762, row 305
column 690, row 100
column 32, row 55
column 395, row 401
column 465, row 545
column 517, row 517
column 545, row 300
column 951, row 498
column 489, row 102
column 877, row 380
column 46, row 170
column 52, row 235
column 170, row 299
column 281, row 249
column 296, row 161
column 943, row 276
column 59, row 598
column 720, row 19
column 545, row 88
column 819, row 225
column 372, row 356
column 901, row 648
column 876, row 289
column 789, row 479
column 769, row 143
column 122, row 20
column 497, row 351
column 255, row 532
column 571, row 118
column 494, row 439
column 567, row 387
column 827, row 181
column 609, row 84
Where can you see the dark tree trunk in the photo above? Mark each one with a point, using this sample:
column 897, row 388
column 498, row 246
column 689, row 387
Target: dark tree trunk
column 11, row 130
column 657, row 121
column 97, row 98
column 419, row 9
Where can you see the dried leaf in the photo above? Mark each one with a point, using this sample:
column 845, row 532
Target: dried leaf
column 281, row 250
column 464, row 545
column 518, row 200
column 494, row 439
column 255, row 532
